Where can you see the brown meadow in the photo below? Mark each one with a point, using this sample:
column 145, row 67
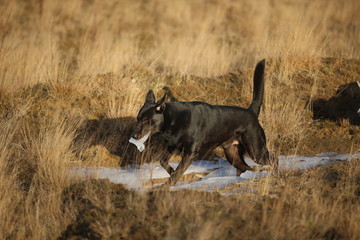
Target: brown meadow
column 73, row 75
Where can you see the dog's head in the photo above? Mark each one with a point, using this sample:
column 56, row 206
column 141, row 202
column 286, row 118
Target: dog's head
column 150, row 117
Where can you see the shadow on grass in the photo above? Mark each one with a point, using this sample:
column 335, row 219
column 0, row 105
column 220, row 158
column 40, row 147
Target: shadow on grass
column 114, row 135
column 345, row 104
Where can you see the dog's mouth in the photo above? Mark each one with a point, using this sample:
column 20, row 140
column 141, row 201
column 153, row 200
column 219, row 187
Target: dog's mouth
column 139, row 143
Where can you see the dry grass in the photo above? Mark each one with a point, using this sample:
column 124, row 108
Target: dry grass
column 73, row 75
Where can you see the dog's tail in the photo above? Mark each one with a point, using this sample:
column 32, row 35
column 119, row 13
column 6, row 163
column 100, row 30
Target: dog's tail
column 258, row 91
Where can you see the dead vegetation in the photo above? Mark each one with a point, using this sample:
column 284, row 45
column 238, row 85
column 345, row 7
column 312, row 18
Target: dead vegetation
column 297, row 206
column 73, row 75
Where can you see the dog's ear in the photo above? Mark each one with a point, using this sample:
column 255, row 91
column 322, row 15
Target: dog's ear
column 150, row 97
column 160, row 105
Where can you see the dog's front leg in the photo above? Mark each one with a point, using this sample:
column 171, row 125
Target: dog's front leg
column 164, row 162
column 181, row 168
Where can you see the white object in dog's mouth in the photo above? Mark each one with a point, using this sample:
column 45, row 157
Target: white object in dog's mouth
column 139, row 143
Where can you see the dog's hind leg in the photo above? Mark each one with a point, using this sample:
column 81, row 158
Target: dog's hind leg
column 255, row 143
column 234, row 153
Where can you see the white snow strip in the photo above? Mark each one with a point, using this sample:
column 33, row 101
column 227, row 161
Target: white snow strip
column 220, row 172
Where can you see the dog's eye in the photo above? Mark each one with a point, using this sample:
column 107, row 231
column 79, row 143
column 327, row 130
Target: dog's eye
column 145, row 121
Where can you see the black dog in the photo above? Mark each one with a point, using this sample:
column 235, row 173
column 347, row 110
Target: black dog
column 196, row 128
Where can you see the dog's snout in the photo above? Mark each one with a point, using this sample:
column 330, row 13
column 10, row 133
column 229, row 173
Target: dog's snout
column 137, row 131
column 135, row 135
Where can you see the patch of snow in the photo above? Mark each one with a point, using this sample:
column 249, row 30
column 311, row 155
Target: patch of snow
column 219, row 172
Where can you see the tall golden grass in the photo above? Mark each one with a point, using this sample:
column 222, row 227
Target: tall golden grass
column 65, row 62
column 45, row 40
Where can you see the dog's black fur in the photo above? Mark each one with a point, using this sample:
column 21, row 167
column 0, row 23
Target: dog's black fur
column 196, row 128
